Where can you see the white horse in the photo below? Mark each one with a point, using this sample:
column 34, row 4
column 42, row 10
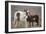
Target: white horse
column 22, row 18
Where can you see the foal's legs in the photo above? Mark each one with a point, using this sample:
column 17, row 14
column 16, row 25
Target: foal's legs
column 30, row 24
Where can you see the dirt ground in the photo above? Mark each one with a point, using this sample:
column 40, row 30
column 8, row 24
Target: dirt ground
column 23, row 24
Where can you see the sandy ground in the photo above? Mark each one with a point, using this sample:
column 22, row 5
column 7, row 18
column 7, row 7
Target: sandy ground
column 23, row 24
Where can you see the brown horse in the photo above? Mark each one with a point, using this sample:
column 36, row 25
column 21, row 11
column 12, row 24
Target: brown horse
column 32, row 19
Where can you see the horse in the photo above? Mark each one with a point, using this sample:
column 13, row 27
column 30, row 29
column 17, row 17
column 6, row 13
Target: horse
column 32, row 19
column 20, row 18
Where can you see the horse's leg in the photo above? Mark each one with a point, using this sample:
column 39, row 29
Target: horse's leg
column 29, row 24
column 26, row 24
column 37, row 22
column 32, row 23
